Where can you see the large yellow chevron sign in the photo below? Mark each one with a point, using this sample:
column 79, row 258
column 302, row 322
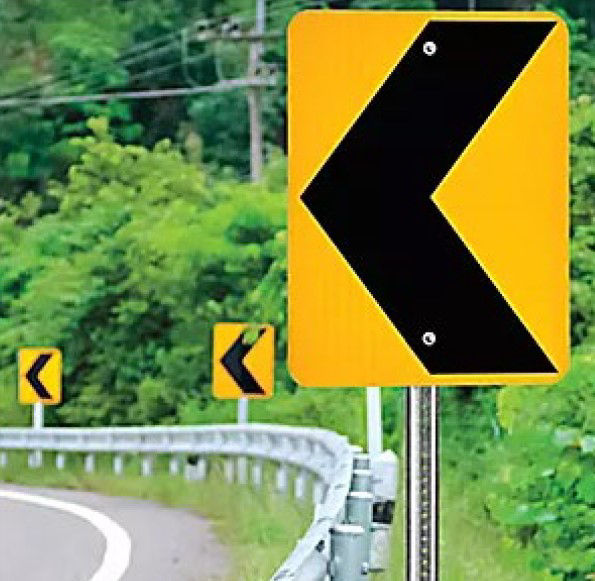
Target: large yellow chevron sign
column 428, row 220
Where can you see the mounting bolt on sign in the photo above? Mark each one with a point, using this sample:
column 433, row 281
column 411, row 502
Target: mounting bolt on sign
column 243, row 360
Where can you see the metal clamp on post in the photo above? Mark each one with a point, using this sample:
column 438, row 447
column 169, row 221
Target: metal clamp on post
column 384, row 485
column 348, row 548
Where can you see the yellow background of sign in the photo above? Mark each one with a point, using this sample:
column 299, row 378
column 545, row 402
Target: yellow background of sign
column 259, row 360
column 50, row 375
column 338, row 335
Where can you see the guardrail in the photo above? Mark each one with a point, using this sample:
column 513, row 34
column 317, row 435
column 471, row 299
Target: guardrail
column 339, row 543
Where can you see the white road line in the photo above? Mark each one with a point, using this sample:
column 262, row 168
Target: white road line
column 117, row 542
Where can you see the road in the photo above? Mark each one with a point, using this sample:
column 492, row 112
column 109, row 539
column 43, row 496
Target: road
column 91, row 537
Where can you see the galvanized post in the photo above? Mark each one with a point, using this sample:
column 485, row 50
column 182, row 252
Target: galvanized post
column 242, row 469
column 300, row 484
column 3, row 459
column 242, row 410
column 118, row 464
column 228, row 470
column 374, row 420
column 190, row 471
column 318, row 491
column 201, row 469
column 422, row 484
column 174, row 465
column 380, row 551
column 361, row 461
column 90, row 463
column 257, row 473
column 361, row 480
column 347, row 553
column 358, row 511
column 60, row 460
column 36, row 457
column 146, row 467
column 282, row 478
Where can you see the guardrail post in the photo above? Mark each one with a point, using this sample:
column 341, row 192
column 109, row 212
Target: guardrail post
column 190, row 471
column 228, row 470
column 60, row 460
column 90, row 463
column 35, row 459
column 146, row 466
column 361, row 480
column 201, row 469
column 380, row 550
column 242, row 469
column 347, row 553
column 3, row 459
column 174, row 465
column 118, row 464
column 358, row 511
column 361, row 461
column 318, row 491
column 301, row 481
column 282, row 478
column 257, row 472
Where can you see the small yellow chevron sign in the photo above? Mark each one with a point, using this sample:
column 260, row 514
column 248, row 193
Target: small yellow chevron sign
column 243, row 361
column 40, row 375
column 428, row 198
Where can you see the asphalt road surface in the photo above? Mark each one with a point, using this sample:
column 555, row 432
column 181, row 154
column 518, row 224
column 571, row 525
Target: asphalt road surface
column 85, row 536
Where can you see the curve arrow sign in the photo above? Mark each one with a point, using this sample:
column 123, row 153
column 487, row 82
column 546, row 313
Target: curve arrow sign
column 233, row 362
column 33, row 375
column 373, row 197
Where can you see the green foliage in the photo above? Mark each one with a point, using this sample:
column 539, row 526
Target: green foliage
column 326, row 408
column 129, row 275
column 526, row 457
column 125, row 255
column 583, row 220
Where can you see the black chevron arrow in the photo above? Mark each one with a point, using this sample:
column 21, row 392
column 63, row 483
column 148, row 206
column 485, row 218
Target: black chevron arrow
column 33, row 375
column 233, row 361
column 373, row 197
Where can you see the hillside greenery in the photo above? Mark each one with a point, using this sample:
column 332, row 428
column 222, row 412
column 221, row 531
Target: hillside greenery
column 127, row 229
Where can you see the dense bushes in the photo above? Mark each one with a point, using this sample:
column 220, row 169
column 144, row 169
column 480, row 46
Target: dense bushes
column 128, row 276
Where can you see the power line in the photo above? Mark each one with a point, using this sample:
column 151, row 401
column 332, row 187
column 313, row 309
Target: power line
column 140, row 52
column 225, row 85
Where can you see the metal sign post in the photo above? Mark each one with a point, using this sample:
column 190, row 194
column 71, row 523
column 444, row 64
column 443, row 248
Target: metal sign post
column 36, row 457
column 243, row 410
column 374, row 421
column 422, row 434
column 37, row 416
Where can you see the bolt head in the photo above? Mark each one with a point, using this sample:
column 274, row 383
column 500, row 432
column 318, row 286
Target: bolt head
column 430, row 48
column 428, row 338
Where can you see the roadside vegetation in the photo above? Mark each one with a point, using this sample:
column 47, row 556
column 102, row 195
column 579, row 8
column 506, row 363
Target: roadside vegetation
column 128, row 229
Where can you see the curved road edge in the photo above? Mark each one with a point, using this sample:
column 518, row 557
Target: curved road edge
column 118, row 546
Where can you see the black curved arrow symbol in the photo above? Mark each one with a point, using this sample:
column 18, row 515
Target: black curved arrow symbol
column 33, row 376
column 373, row 197
column 233, row 361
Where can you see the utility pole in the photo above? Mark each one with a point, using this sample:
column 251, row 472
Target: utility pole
column 255, row 108
column 255, row 94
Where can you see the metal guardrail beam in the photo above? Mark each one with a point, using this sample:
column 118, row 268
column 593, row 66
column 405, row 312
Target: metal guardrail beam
column 324, row 454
